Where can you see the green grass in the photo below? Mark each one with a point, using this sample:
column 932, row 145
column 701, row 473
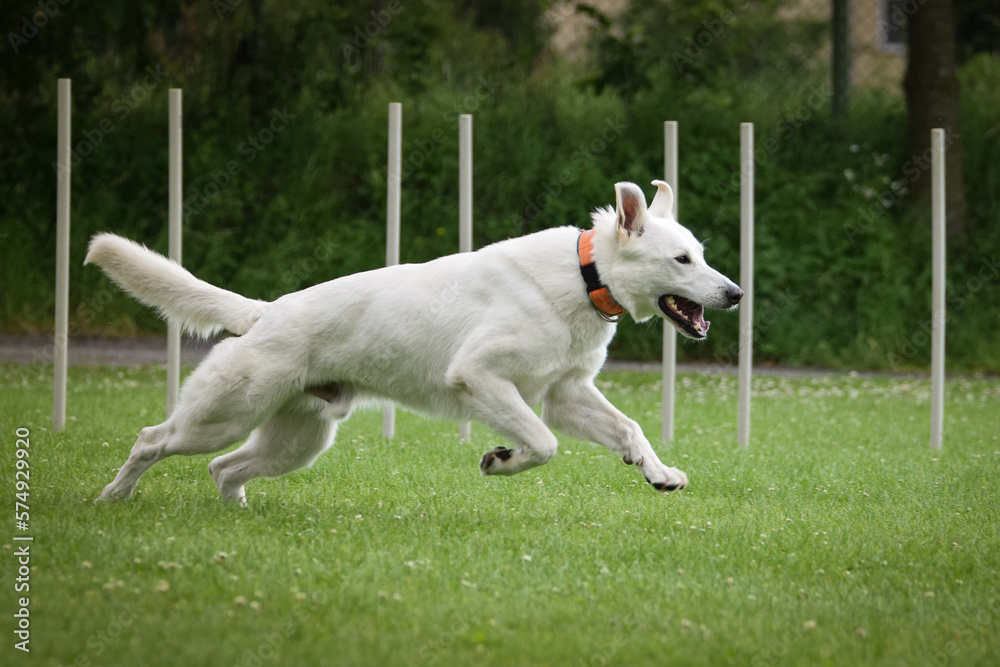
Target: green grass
column 838, row 538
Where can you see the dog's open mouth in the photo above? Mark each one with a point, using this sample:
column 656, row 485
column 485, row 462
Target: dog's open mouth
column 687, row 316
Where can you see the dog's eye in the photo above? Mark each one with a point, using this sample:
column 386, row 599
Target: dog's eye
column 683, row 259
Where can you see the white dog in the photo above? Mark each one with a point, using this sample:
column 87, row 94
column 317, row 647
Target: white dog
column 482, row 335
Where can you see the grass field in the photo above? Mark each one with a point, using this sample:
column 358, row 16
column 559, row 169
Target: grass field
column 838, row 538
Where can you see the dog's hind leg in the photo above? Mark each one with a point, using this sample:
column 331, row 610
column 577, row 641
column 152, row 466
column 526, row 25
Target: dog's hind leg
column 292, row 438
column 227, row 396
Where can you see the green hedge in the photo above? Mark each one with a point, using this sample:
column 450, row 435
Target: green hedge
column 285, row 188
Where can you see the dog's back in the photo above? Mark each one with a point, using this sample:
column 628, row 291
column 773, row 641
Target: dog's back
column 396, row 332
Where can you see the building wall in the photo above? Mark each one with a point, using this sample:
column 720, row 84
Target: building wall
column 876, row 62
column 878, row 57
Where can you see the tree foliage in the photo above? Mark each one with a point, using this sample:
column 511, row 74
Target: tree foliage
column 285, row 140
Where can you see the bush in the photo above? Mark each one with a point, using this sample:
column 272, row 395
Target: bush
column 842, row 271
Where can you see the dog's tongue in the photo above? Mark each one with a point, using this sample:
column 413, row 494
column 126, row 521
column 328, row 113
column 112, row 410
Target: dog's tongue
column 699, row 321
column 694, row 312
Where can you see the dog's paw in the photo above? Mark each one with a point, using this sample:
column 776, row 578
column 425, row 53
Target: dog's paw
column 492, row 462
column 664, row 478
column 112, row 493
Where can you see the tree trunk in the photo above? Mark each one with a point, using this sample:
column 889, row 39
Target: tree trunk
column 932, row 100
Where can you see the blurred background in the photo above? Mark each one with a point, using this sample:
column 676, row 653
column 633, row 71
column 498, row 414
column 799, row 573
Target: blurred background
column 285, row 114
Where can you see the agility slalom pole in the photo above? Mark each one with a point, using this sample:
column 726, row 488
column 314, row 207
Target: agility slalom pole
column 175, row 223
column 937, row 286
column 394, row 180
column 63, row 166
column 746, row 282
column 464, row 212
column 669, row 332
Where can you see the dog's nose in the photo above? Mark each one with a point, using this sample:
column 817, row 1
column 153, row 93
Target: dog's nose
column 734, row 294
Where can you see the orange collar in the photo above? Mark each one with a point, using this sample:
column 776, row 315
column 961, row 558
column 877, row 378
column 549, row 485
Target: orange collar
column 599, row 293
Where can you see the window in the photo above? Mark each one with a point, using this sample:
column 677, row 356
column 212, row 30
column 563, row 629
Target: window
column 893, row 15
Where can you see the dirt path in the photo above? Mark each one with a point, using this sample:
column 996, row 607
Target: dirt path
column 100, row 351
column 152, row 350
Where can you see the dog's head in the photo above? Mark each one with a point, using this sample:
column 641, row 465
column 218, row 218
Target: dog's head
column 655, row 266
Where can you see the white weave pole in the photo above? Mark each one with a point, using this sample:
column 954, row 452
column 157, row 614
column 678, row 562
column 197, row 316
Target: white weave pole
column 392, row 221
column 464, row 212
column 937, row 286
column 669, row 332
column 746, row 282
column 174, row 221
column 63, row 157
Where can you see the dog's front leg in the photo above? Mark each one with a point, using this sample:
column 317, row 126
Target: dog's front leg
column 579, row 409
column 497, row 403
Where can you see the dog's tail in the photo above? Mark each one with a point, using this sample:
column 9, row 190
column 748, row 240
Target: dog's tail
column 200, row 308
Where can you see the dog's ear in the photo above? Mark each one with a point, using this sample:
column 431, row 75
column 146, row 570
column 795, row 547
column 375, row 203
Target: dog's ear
column 663, row 202
column 630, row 206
